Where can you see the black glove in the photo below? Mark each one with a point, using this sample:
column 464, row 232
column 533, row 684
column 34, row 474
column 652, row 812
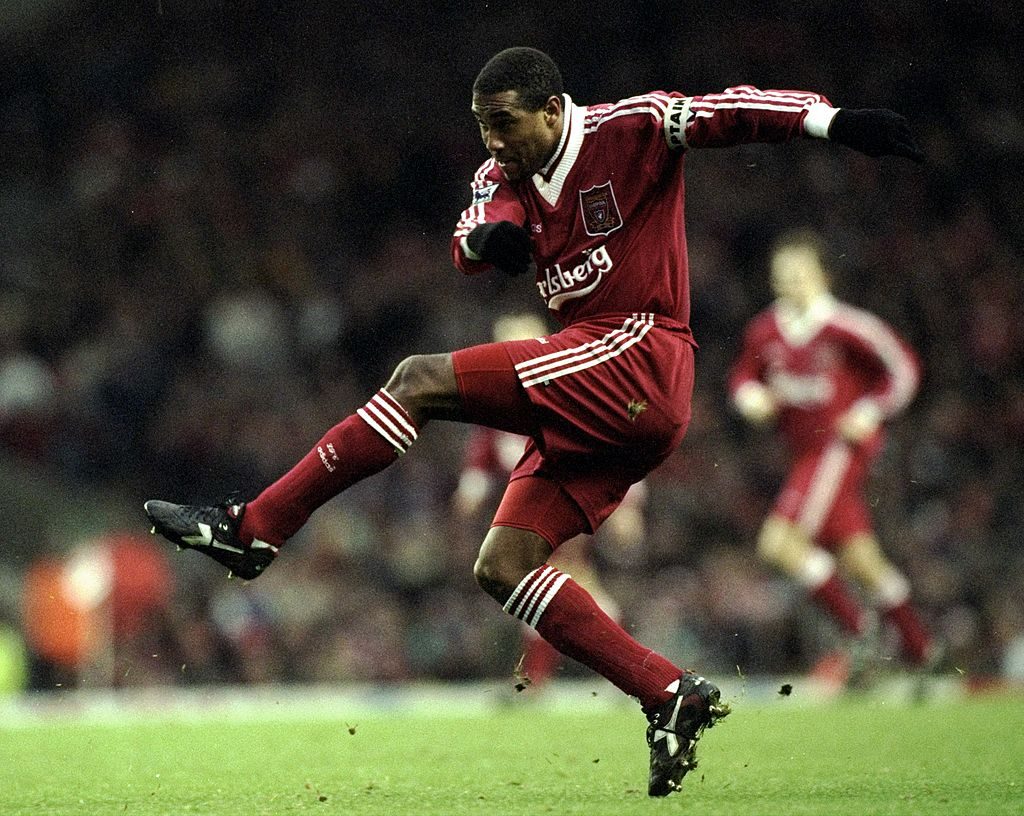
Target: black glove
column 876, row 132
column 503, row 244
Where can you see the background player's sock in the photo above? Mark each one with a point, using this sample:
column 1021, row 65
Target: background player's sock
column 916, row 642
column 568, row 618
column 834, row 597
column 817, row 574
column 892, row 598
column 359, row 446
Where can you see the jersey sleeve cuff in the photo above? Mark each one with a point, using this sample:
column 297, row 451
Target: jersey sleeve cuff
column 819, row 117
column 470, row 254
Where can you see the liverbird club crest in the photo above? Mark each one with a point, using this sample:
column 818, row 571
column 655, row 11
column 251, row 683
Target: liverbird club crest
column 600, row 212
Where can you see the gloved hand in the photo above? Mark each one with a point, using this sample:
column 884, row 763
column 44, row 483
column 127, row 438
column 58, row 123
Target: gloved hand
column 876, row 132
column 503, row 244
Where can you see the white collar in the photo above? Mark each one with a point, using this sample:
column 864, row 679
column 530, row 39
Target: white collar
column 564, row 157
column 799, row 326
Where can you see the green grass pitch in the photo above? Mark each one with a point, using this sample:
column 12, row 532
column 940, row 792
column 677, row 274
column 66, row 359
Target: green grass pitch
column 771, row 756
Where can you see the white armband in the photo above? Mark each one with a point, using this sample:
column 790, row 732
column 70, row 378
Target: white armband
column 677, row 116
column 819, row 117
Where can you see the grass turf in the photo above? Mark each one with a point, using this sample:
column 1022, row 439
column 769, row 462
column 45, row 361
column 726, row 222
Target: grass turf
column 851, row 756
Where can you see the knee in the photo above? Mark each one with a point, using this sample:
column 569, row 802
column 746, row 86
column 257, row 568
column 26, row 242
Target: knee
column 410, row 379
column 773, row 541
column 493, row 577
column 424, row 384
column 498, row 575
column 505, row 559
column 783, row 545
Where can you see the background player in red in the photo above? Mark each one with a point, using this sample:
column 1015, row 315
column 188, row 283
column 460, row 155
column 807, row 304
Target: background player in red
column 829, row 375
column 594, row 196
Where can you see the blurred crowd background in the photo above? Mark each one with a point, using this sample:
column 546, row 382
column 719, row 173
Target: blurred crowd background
column 222, row 224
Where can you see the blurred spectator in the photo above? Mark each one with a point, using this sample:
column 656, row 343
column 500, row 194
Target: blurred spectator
column 96, row 616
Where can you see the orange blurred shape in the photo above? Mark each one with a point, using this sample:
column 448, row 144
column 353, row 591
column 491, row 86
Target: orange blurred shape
column 55, row 629
column 143, row 581
column 112, row 585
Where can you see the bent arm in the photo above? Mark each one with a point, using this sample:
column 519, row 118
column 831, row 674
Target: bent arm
column 898, row 381
column 747, row 389
column 493, row 201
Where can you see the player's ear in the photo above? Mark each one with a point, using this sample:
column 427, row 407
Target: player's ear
column 552, row 110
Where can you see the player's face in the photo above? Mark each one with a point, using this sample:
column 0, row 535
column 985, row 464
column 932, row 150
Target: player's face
column 797, row 274
column 521, row 141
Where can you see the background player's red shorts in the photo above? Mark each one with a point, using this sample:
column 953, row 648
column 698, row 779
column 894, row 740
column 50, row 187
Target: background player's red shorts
column 824, row 492
column 603, row 401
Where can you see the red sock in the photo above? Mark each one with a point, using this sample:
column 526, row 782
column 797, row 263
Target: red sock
column 835, row 598
column 359, row 446
column 568, row 618
column 915, row 638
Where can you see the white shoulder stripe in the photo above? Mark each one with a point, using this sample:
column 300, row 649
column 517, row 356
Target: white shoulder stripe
column 653, row 104
column 656, row 113
column 656, row 100
column 705, row 111
column 481, row 174
column 774, row 96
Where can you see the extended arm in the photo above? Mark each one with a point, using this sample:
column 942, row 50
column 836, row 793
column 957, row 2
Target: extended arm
column 746, row 114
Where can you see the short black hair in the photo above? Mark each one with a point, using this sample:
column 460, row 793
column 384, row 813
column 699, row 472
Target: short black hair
column 529, row 72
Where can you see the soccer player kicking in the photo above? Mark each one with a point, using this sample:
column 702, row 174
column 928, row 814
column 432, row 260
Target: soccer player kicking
column 829, row 375
column 593, row 195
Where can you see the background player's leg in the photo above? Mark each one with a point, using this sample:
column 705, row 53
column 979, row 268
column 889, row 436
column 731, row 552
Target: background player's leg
column 862, row 558
column 785, row 546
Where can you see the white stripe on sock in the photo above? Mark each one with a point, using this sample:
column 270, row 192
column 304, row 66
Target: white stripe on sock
column 533, row 594
column 386, row 416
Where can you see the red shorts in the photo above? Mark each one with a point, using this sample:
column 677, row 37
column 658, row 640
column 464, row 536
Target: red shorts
column 824, row 493
column 603, row 402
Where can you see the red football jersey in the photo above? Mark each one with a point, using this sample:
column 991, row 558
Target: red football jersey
column 606, row 214
column 818, row 366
